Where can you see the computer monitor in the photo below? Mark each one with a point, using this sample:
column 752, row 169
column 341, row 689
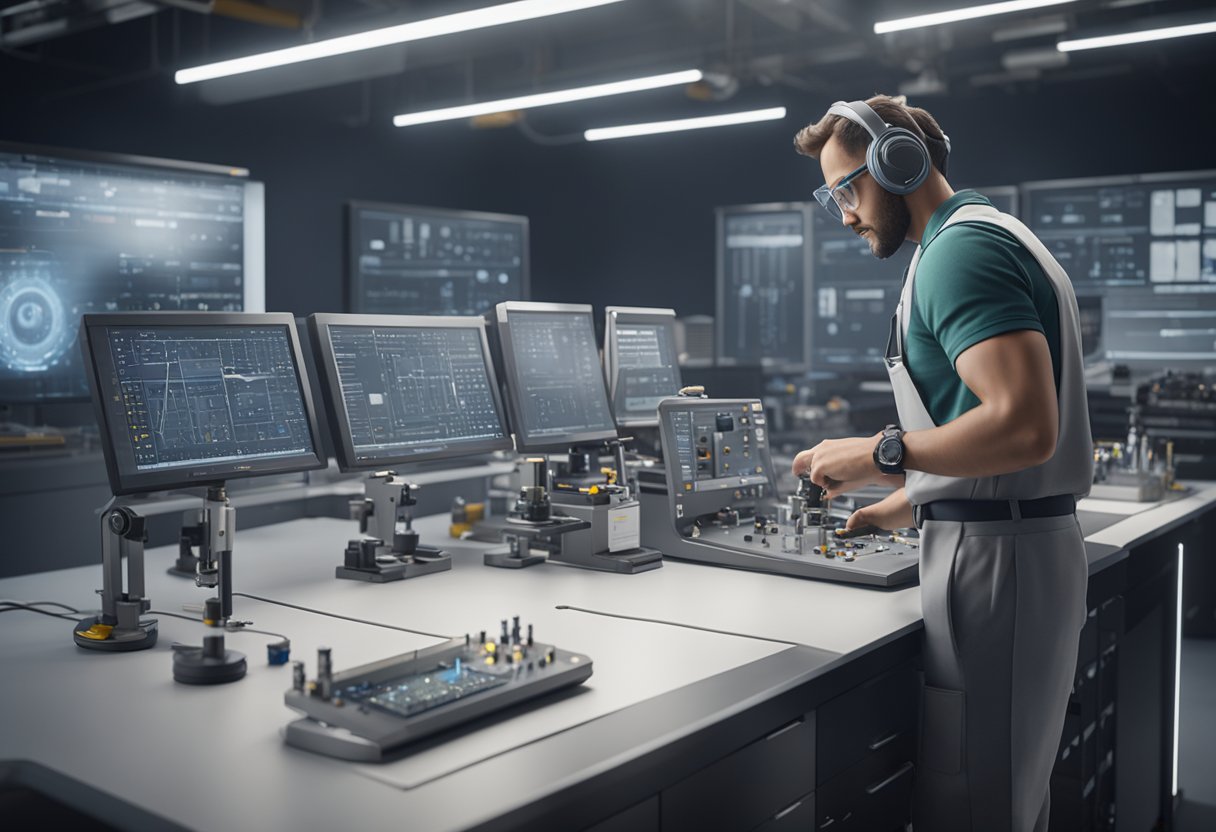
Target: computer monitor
column 187, row 399
column 401, row 388
column 84, row 232
column 640, row 362
column 763, row 285
column 408, row 260
column 552, row 375
column 853, row 297
column 1145, row 248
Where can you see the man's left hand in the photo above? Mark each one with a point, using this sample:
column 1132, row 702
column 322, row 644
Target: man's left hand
column 840, row 465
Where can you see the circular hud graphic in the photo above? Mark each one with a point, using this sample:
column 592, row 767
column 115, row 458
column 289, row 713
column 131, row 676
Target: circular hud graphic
column 34, row 331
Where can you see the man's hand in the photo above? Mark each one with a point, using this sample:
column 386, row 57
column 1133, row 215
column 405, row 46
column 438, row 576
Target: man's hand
column 840, row 465
column 893, row 512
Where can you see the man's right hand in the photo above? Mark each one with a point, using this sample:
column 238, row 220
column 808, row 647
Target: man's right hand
column 893, row 512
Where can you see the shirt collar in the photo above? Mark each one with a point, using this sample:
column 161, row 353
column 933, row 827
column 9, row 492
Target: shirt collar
column 943, row 212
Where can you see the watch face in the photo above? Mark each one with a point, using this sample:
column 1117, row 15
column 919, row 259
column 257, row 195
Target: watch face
column 889, row 451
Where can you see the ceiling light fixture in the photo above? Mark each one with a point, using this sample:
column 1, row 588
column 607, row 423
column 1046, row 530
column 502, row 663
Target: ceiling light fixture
column 544, row 99
column 955, row 15
column 1142, row 36
column 418, row 30
column 625, row 131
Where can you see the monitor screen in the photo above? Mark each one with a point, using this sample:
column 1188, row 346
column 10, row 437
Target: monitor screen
column 641, row 362
column 402, row 389
column 430, row 261
column 552, row 373
column 192, row 399
column 853, row 299
column 763, row 278
column 1142, row 249
column 83, row 233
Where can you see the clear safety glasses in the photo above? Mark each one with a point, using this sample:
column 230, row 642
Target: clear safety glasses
column 841, row 198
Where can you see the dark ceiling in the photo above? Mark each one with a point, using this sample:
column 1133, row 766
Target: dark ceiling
column 52, row 51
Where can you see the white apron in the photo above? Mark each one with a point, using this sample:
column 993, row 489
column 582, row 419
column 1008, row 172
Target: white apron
column 1003, row 601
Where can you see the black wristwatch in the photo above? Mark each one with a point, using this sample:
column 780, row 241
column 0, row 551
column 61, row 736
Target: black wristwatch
column 889, row 452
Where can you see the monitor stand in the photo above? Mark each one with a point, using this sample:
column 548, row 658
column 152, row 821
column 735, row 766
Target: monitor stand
column 120, row 627
column 388, row 554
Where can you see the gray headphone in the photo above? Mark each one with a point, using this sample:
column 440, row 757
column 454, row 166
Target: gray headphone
column 897, row 158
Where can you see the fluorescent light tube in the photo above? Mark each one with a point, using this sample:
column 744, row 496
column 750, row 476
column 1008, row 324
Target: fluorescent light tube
column 1143, row 36
column 627, row 130
column 418, row 30
column 955, row 15
column 544, row 99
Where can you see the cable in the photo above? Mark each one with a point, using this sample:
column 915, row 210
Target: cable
column 39, row 604
column 238, row 627
column 342, row 617
column 175, row 615
column 11, row 607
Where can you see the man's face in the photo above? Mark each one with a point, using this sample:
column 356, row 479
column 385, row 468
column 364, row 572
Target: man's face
column 881, row 217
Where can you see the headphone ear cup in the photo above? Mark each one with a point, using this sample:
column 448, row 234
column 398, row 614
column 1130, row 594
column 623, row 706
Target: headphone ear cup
column 899, row 161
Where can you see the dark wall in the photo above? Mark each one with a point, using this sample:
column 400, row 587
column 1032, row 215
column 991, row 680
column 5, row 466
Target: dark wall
column 622, row 222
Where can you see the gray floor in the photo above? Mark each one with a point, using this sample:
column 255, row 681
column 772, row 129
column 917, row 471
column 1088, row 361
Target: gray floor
column 1197, row 737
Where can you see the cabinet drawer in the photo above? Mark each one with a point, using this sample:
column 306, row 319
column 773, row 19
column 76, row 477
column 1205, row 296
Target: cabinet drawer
column 875, row 795
column 865, row 719
column 749, row 786
column 799, row 816
column 641, row 817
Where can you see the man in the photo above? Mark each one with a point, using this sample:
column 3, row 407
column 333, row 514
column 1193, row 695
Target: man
column 985, row 362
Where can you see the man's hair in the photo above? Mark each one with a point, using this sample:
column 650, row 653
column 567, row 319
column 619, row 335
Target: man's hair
column 854, row 138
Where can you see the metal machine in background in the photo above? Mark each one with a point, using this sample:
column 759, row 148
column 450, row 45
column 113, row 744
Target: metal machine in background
column 716, row 502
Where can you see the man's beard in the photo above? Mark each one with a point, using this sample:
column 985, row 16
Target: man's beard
column 890, row 228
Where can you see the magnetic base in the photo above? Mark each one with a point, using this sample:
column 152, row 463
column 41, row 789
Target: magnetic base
column 505, row 560
column 629, row 562
column 424, row 561
column 191, row 667
column 118, row 640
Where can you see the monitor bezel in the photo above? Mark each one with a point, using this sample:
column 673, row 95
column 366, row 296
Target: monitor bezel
column 523, row 443
column 253, row 278
column 634, row 315
column 92, row 338
column 774, row 365
column 331, row 387
column 351, row 280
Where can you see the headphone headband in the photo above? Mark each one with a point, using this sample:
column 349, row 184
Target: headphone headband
column 898, row 158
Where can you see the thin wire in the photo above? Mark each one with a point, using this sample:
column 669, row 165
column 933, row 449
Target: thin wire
column 15, row 607
column 176, row 615
column 230, row 627
column 39, row 604
column 238, row 628
column 342, row 617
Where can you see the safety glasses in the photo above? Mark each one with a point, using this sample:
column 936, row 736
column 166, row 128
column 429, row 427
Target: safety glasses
column 841, row 198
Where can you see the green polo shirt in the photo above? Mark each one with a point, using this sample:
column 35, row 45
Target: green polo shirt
column 974, row 281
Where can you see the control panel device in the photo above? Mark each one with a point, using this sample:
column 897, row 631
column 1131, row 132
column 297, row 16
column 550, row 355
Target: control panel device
column 717, row 502
column 373, row 710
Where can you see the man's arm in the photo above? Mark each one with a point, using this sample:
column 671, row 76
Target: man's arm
column 1014, row 426
column 1016, row 423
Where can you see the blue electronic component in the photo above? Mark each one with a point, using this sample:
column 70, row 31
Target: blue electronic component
column 420, row 692
column 279, row 652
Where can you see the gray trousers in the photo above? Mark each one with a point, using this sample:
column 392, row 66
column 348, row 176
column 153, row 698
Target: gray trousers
column 1004, row 603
